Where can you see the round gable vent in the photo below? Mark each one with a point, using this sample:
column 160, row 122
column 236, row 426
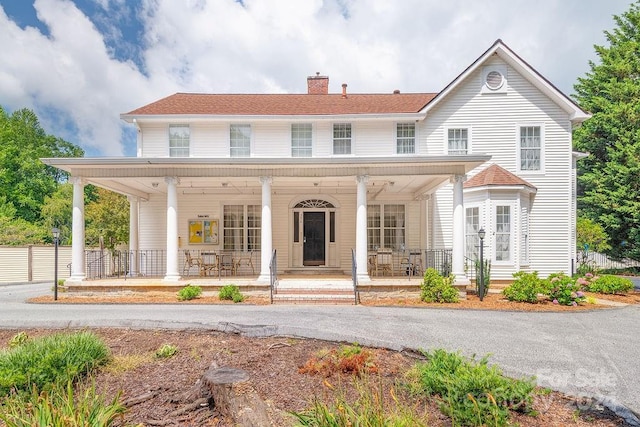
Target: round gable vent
column 494, row 80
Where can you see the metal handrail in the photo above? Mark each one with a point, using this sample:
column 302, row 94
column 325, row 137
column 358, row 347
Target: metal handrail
column 354, row 275
column 273, row 275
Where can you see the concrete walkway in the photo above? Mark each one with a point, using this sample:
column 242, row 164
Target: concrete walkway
column 592, row 353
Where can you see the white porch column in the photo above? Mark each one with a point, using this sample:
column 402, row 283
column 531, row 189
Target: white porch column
column 77, row 237
column 133, row 235
column 361, row 229
column 266, row 232
column 172, row 229
column 457, row 262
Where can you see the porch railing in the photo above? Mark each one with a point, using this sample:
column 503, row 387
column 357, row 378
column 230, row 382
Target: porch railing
column 273, row 275
column 354, row 275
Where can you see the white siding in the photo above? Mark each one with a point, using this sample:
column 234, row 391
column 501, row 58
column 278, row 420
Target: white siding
column 15, row 263
column 494, row 119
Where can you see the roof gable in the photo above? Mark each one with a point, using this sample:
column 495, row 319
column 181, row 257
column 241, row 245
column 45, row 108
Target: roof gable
column 495, row 175
column 576, row 114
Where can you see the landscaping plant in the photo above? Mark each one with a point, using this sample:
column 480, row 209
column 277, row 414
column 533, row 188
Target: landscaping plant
column 231, row 293
column 436, row 288
column 607, row 284
column 166, row 350
column 189, row 292
column 348, row 359
column 470, row 392
column 60, row 407
column 525, row 287
column 45, row 361
column 562, row 289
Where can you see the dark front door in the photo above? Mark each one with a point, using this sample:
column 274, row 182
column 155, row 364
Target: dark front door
column 313, row 249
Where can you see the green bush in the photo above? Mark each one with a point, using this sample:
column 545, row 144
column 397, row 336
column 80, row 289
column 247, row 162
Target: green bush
column 56, row 358
column 435, row 288
column 18, row 339
column 607, row 284
column 563, row 290
column 189, row 292
column 231, row 293
column 470, row 392
column 60, row 407
column 525, row 287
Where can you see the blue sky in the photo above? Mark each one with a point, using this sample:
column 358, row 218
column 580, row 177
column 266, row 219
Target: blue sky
column 81, row 63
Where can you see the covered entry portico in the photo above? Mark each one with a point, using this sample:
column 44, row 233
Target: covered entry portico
column 322, row 202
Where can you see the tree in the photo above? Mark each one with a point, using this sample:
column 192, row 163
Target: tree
column 24, row 180
column 107, row 217
column 609, row 184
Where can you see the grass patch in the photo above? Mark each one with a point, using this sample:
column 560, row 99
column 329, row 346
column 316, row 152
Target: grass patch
column 471, row 392
column 124, row 363
column 43, row 362
column 373, row 406
column 60, row 407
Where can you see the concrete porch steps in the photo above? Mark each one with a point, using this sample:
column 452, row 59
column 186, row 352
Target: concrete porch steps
column 314, row 291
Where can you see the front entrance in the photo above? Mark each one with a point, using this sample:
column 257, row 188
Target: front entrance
column 313, row 239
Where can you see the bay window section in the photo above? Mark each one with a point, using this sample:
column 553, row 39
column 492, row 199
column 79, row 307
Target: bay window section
column 472, row 226
column 503, row 233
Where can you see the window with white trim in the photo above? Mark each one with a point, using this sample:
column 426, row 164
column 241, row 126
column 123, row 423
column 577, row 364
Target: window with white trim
column 472, row 226
column 342, row 138
column 240, row 140
column 458, row 142
column 301, row 140
column 179, row 136
column 503, row 233
column 385, row 227
column 530, row 148
column 524, row 230
column 241, row 227
column 405, row 138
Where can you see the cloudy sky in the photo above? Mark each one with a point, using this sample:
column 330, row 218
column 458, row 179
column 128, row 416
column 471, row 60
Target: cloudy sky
column 80, row 63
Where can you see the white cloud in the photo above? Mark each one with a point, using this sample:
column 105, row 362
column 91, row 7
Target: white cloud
column 265, row 46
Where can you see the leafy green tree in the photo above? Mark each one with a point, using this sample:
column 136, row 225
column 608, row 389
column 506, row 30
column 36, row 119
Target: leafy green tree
column 57, row 211
column 609, row 191
column 24, row 180
column 107, row 217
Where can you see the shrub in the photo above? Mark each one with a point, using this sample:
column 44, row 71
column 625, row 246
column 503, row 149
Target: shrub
column 486, row 273
column 525, row 287
column 18, row 339
column 607, row 284
column 60, row 407
column 563, row 290
column 348, row 359
column 231, row 293
column 372, row 407
column 166, row 351
column 471, row 392
column 435, row 288
column 56, row 358
column 189, row 292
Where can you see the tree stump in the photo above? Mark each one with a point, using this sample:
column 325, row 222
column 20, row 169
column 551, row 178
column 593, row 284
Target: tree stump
column 235, row 397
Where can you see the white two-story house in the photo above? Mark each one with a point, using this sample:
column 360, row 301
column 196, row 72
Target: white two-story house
column 325, row 179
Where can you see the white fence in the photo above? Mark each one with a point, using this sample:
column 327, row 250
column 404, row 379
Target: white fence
column 32, row 263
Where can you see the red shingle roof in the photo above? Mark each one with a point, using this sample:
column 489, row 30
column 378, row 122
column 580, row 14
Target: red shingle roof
column 285, row 104
column 495, row 175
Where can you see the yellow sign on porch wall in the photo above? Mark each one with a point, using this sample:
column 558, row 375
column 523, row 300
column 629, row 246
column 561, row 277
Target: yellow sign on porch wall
column 203, row 231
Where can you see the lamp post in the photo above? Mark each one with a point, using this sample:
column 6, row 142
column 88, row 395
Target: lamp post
column 481, row 234
column 56, row 236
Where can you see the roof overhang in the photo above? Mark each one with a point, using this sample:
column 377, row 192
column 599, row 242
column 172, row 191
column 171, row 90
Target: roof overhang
column 194, row 118
column 509, row 188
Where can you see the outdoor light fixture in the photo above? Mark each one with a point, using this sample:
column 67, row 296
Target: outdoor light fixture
column 481, row 234
column 56, row 235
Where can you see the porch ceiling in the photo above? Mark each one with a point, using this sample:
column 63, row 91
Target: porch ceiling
column 142, row 177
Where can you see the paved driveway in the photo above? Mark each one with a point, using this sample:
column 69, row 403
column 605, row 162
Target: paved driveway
column 584, row 353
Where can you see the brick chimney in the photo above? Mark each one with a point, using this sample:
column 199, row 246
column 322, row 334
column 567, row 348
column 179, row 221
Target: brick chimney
column 317, row 85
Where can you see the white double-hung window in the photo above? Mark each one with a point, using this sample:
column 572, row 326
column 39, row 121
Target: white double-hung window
column 458, row 142
column 301, row 140
column 179, row 136
column 503, row 233
column 405, row 138
column 341, row 138
column 530, row 148
column 240, row 140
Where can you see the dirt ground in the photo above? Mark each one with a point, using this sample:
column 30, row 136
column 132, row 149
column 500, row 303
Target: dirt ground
column 273, row 365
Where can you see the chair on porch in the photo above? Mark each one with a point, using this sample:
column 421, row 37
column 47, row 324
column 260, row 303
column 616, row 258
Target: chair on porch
column 245, row 259
column 384, row 261
column 189, row 262
column 226, row 264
